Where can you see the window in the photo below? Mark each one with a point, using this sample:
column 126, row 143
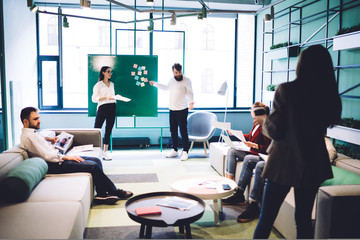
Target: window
column 208, row 58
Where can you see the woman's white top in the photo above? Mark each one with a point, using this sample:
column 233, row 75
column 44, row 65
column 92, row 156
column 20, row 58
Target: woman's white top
column 181, row 93
column 101, row 90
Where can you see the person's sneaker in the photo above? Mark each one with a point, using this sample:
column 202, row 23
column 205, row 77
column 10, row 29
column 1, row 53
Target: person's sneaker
column 122, row 194
column 172, row 154
column 107, row 156
column 251, row 213
column 184, row 156
column 106, row 199
column 236, row 199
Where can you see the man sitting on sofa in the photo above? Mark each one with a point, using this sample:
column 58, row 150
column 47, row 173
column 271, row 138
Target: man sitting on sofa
column 38, row 146
column 252, row 211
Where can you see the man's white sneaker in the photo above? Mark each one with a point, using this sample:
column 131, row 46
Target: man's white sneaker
column 172, row 154
column 184, row 156
column 107, row 156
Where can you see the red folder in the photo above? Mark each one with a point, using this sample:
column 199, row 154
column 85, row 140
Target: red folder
column 148, row 211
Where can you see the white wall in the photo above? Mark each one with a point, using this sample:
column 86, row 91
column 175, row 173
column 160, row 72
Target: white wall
column 20, row 62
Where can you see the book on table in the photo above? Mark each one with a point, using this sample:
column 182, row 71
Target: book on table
column 154, row 210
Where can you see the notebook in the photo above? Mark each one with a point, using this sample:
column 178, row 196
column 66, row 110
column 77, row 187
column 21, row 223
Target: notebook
column 148, row 210
column 235, row 145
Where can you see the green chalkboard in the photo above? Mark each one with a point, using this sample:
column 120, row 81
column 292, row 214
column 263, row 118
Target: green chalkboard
column 131, row 76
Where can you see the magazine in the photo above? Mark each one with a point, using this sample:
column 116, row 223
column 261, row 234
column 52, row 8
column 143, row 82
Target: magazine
column 64, row 142
column 177, row 203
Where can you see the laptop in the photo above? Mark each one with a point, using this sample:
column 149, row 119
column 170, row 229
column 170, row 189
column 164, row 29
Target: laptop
column 235, row 145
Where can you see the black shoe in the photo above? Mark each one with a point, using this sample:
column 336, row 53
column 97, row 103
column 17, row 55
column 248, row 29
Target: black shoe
column 236, row 199
column 251, row 213
column 106, row 199
column 122, row 194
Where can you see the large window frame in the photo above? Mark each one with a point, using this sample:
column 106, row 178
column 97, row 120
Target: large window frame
column 60, row 105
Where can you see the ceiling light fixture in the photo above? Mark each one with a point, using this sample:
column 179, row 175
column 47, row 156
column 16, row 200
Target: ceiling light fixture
column 65, row 23
column 150, row 2
column 33, row 8
column 173, row 19
column 269, row 17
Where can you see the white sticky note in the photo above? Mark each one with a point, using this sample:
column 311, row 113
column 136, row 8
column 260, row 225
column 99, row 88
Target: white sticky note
column 142, row 79
column 142, row 84
column 143, row 67
column 139, row 73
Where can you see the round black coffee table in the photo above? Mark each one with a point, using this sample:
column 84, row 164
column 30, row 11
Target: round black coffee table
column 168, row 217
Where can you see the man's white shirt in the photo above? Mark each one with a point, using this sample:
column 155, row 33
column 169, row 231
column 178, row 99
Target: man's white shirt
column 37, row 146
column 181, row 93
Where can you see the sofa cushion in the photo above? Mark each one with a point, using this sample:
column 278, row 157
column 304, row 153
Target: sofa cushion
column 352, row 165
column 41, row 220
column 342, row 177
column 22, row 179
column 70, row 187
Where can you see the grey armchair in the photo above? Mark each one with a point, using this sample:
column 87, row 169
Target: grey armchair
column 200, row 128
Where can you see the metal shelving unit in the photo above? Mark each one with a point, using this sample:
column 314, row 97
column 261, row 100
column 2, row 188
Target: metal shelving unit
column 294, row 25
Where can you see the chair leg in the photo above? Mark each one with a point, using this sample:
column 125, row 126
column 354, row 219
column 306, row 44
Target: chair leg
column 208, row 144
column 205, row 148
column 191, row 145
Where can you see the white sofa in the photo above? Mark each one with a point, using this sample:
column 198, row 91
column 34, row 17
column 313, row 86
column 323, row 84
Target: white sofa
column 58, row 206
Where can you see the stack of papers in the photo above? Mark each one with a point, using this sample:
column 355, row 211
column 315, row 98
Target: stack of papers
column 177, row 203
column 121, row 98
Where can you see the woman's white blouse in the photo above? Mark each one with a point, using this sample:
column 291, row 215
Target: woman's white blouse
column 101, row 90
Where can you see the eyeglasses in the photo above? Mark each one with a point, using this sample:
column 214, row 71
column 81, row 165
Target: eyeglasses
column 109, row 71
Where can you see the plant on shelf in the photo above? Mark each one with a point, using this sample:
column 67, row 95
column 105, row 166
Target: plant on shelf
column 271, row 87
column 280, row 45
column 347, row 149
column 350, row 122
column 345, row 30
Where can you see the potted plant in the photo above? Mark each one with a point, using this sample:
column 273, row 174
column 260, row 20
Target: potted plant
column 270, row 92
column 347, row 38
column 284, row 50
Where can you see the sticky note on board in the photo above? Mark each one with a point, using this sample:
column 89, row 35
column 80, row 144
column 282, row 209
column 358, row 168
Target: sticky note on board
column 143, row 68
column 137, row 83
column 145, row 80
column 139, row 68
column 136, row 77
column 135, row 65
column 139, row 73
column 132, row 73
column 142, row 79
column 145, row 72
column 142, row 84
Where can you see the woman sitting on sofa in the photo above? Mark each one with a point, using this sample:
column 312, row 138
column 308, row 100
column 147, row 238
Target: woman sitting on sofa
column 257, row 142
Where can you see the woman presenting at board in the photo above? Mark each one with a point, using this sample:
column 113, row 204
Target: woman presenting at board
column 103, row 95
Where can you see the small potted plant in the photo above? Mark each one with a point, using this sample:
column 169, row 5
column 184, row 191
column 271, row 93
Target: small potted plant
column 270, row 92
column 347, row 38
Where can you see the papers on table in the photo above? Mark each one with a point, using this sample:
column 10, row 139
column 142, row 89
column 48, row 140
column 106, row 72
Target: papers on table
column 177, row 203
column 121, row 98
